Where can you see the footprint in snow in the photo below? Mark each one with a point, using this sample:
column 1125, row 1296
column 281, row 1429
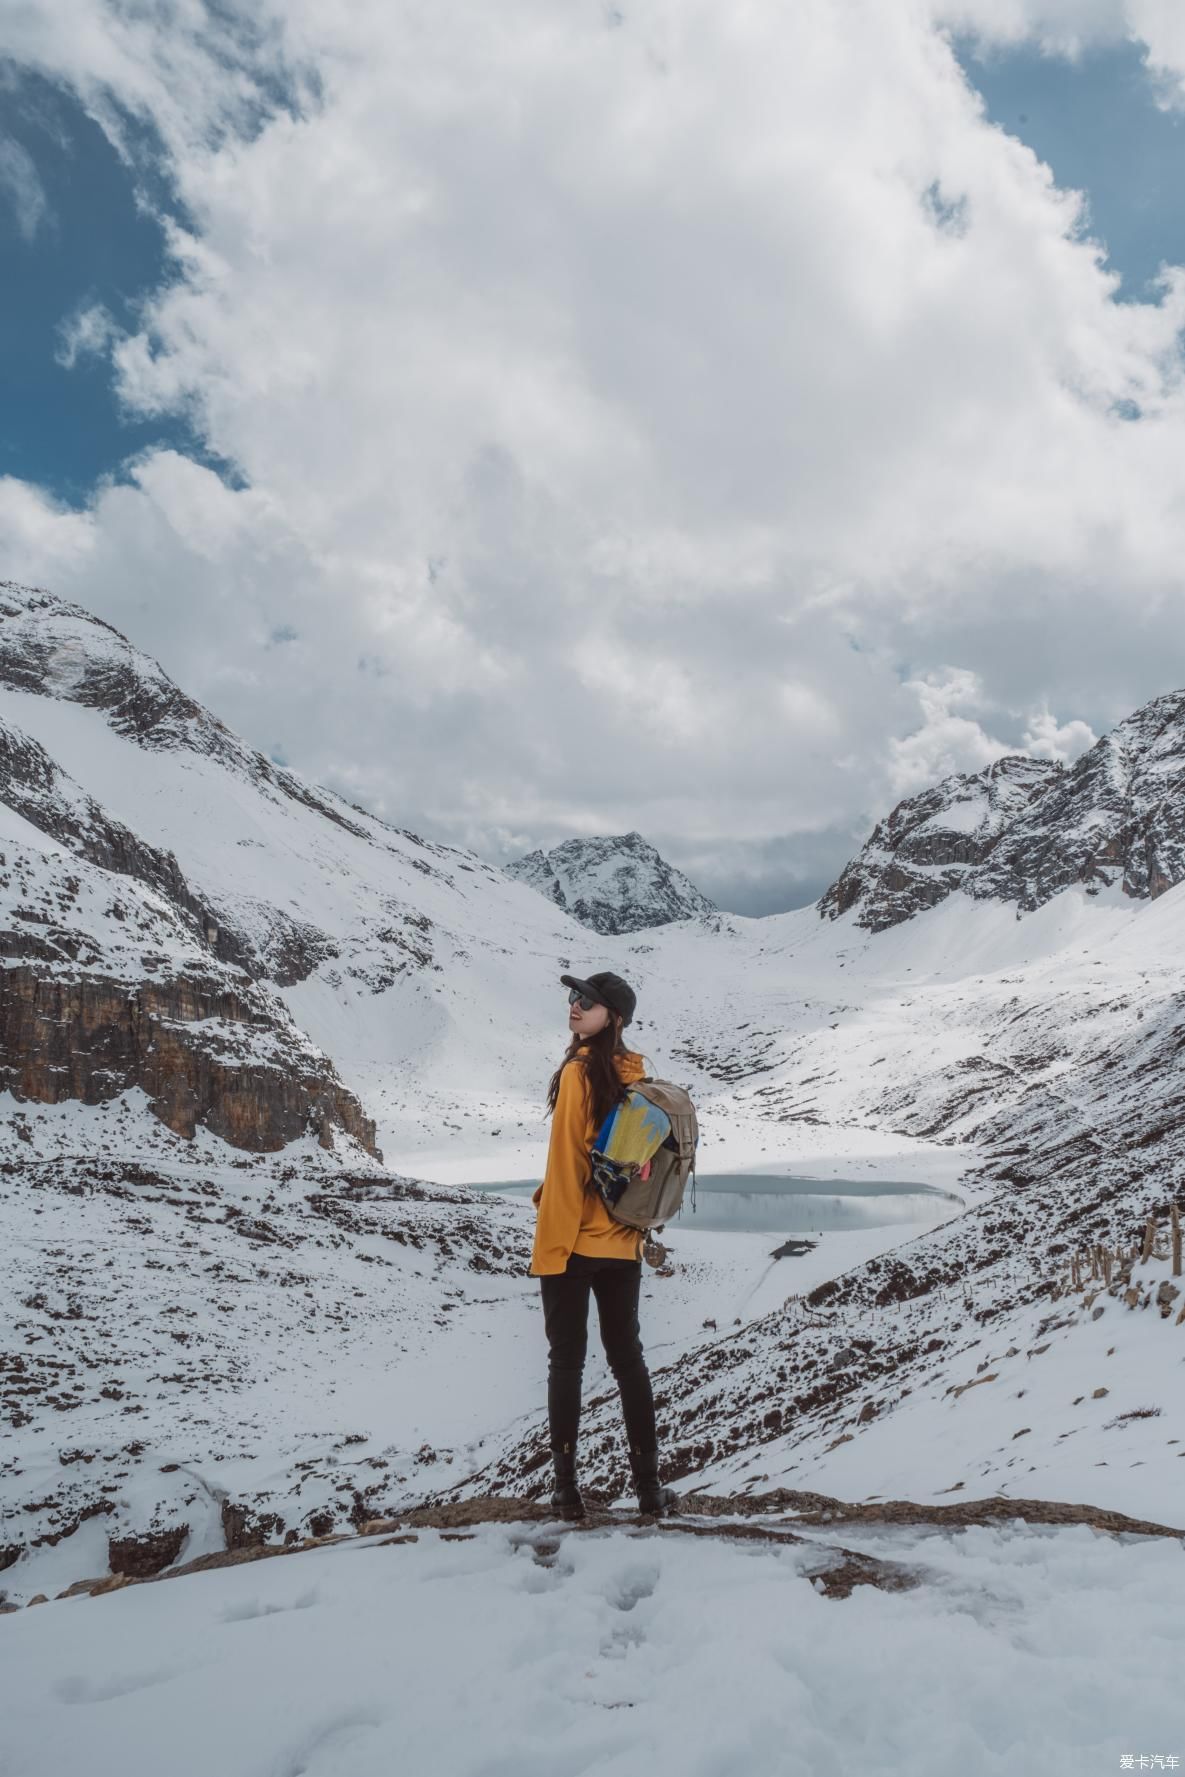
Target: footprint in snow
column 617, row 1644
column 626, row 1589
column 251, row 1608
column 73, row 1687
column 547, row 1569
column 331, row 1736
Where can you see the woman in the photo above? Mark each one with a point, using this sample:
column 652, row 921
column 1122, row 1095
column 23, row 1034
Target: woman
column 579, row 1247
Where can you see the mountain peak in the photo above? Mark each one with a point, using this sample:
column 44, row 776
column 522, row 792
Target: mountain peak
column 612, row 883
column 1024, row 829
column 931, row 841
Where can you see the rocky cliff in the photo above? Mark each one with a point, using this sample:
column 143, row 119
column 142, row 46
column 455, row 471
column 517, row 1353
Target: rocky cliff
column 1114, row 818
column 201, row 1051
column 932, row 842
column 106, row 986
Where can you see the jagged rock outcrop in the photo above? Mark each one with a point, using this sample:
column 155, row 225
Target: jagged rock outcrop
column 931, row 842
column 1025, row 829
column 1117, row 816
column 613, row 884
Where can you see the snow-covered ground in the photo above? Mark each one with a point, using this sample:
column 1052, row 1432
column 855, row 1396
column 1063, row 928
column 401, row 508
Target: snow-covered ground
column 1021, row 1650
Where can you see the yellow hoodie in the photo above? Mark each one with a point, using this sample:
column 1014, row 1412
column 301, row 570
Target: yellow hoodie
column 571, row 1219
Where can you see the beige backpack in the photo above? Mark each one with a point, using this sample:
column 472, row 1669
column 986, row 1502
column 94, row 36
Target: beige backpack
column 644, row 1154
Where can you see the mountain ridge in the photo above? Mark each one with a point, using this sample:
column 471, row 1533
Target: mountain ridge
column 1024, row 829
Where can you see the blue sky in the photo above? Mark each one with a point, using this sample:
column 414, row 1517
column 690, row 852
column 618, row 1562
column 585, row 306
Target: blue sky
column 1096, row 123
column 72, row 236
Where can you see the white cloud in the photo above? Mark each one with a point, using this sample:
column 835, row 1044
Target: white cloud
column 89, row 332
column 1060, row 27
column 948, row 739
column 21, row 183
column 1047, row 738
column 622, row 415
column 46, row 540
column 952, row 737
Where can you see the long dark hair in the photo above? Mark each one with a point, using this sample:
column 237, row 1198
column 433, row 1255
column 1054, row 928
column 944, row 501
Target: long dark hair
column 604, row 1081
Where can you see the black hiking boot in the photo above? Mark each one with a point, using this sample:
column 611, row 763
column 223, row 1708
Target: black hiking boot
column 565, row 1499
column 654, row 1500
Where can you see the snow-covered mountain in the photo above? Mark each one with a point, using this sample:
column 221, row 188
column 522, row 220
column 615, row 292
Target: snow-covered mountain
column 1025, row 829
column 225, row 992
column 1117, row 816
column 613, row 884
column 390, row 952
column 933, row 842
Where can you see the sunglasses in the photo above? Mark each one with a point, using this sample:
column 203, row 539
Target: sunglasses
column 575, row 997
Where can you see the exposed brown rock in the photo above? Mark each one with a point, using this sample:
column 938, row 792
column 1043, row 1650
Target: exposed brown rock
column 244, row 1530
column 92, row 1038
column 819, row 1508
column 137, row 1556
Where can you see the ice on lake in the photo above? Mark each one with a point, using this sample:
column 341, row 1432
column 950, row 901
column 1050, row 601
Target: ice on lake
column 780, row 1203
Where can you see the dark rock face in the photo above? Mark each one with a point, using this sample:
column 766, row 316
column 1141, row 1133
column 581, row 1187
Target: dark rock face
column 613, row 885
column 1025, row 829
column 245, row 1529
column 203, row 1053
column 931, row 842
column 1116, row 816
column 140, row 1556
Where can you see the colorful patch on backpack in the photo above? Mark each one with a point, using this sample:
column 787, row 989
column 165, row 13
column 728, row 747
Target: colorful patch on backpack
column 633, row 1132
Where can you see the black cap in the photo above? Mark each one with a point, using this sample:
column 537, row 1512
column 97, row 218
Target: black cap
column 608, row 990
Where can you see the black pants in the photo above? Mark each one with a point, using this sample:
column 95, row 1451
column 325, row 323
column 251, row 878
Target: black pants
column 616, row 1284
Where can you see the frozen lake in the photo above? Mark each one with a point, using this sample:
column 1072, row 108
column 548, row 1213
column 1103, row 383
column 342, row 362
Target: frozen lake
column 772, row 1203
